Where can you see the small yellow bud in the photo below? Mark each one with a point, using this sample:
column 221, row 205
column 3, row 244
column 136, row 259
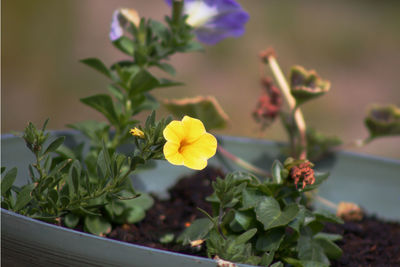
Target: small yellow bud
column 136, row 132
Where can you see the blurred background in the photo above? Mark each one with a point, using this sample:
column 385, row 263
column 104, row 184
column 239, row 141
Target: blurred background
column 354, row 44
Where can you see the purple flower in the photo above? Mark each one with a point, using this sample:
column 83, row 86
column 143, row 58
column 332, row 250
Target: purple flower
column 214, row 20
column 120, row 19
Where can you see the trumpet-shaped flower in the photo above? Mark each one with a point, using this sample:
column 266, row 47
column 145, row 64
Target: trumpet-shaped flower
column 188, row 143
column 120, row 19
column 214, row 20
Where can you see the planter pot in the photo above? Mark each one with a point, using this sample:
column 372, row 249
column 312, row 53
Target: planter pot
column 369, row 181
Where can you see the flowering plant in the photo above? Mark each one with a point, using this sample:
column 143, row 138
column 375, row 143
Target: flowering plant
column 258, row 217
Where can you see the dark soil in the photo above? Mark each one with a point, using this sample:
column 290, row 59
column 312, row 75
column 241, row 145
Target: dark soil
column 370, row 242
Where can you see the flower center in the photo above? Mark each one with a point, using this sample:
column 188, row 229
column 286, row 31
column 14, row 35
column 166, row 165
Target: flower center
column 183, row 144
column 198, row 13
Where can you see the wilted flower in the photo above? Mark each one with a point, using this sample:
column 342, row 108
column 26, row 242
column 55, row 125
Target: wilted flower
column 383, row 121
column 137, row 132
column 188, row 143
column 304, row 173
column 120, row 19
column 214, row 20
column 306, row 85
column 269, row 104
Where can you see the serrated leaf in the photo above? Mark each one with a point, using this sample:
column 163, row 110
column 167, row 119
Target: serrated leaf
column 55, row 144
column 104, row 104
column 97, row 225
column 270, row 215
column 98, row 65
column 8, row 180
column 206, row 109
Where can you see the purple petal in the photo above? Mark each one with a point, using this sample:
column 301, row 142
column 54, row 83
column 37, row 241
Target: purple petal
column 116, row 30
column 223, row 26
column 229, row 22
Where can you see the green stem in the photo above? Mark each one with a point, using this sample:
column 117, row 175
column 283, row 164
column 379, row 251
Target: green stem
column 298, row 115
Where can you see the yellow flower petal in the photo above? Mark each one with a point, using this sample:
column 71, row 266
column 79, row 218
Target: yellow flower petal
column 171, row 153
column 174, row 132
column 188, row 143
column 194, row 128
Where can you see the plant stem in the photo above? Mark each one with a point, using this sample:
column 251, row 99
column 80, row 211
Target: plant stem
column 326, row 202
column 242, row 163
column 298, row 115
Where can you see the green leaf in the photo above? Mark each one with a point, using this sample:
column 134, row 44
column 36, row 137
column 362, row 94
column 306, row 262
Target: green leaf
column 246, row 236
column 251, row 197
column 310, row 250
column 192, row 47
column 206, row 109
column 168, row 68
column 320, row 177
column 125, row 45
column 74, row 177
column 135, row 215
column 168, row 83
column 270, row 215
column 242, row 221
column 199, row 229
column 167, row 238
column 271, row 240
column 8, row 180
column 331, row 237
column 331, row 250
column 71, row 220
column 327, row 216
column 55, row 144
column 276, row 171
column 104, row 104
column 24, row 197
column 97, row 225
column 145, row 201
column 96, row 64
column 277, row 264
column 141, row 82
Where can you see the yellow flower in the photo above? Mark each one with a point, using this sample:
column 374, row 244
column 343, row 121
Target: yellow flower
column 188, row 143
column 136, row 132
